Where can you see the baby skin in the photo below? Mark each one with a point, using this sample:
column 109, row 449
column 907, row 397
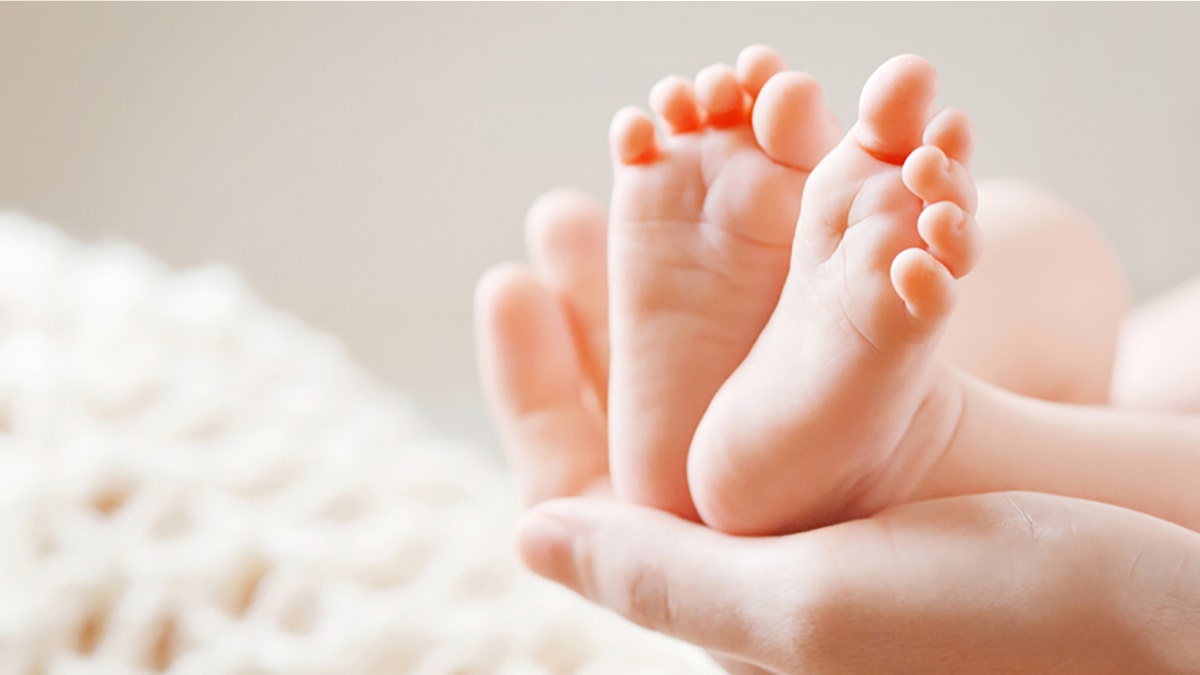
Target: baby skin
column 806, row 380
column 840, row 408
column 699, row 238
column 704, row 233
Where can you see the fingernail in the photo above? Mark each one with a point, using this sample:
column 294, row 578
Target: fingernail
column 547, row 545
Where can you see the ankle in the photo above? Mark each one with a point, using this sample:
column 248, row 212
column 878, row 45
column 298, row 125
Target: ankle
column 918, row 465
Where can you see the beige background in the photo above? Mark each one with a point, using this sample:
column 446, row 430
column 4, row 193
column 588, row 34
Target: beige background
column 363, row 164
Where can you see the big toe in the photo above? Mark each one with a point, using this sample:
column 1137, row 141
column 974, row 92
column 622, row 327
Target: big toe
column 895, row 107
column 791, row 122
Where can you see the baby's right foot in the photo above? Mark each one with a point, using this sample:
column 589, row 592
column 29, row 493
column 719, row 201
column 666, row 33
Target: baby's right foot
column 840, row 409
column 700, row 232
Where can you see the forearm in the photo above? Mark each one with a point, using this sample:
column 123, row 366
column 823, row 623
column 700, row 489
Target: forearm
column 1143, row 461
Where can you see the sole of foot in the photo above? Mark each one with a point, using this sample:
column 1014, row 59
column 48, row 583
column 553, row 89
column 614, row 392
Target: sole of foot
column 701, row 226
column 840, row 408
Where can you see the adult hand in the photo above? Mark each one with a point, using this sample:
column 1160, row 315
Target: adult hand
column 989, row 583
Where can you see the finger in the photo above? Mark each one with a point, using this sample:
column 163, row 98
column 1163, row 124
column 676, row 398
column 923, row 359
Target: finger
column 533, row 380
column 566, row 232
column 665, row 574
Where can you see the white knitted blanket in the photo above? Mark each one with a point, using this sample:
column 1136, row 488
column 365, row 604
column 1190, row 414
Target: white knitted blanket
column 193, row 482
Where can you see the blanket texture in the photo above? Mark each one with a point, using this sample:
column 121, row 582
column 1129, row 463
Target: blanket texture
column 194, row 482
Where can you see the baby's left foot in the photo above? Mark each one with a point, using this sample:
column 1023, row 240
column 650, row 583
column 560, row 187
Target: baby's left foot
column 839, row 409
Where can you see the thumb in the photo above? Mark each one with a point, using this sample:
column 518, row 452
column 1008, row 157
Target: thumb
column 664, row 573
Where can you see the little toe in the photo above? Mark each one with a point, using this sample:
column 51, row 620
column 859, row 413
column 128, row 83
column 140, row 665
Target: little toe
column 894, row 108
column 631, row 137
column 952, row 235
column 929, row 174
column 791, row 122
column 756, row 65
column 721, row 96
column 674, row 101
column 951, row 131
column 925, row 286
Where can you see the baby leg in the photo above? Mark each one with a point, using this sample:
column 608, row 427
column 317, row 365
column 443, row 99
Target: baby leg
column 1158, row 358
column 1040, row 314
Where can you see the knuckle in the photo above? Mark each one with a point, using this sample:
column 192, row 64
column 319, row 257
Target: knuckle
column 648, row 597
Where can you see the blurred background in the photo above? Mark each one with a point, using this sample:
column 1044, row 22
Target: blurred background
column 361, row 165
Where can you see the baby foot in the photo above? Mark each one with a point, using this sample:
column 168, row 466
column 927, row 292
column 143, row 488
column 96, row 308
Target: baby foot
column 700, row 231
column 839, row 410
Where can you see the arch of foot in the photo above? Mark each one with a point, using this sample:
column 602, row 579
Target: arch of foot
column 193, row 482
